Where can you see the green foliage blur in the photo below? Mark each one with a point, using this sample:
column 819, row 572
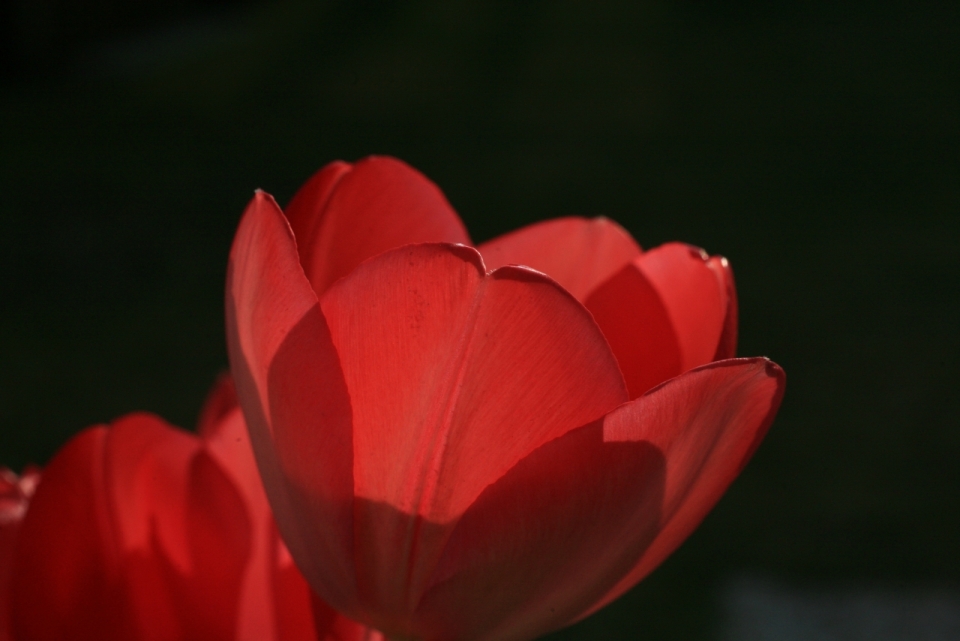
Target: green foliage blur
column 816, row 145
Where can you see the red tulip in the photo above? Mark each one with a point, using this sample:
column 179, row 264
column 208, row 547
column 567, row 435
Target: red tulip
column 141, row 531
column 454, row 451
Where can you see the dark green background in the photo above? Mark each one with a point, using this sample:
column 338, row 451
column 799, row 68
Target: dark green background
column 815, row 145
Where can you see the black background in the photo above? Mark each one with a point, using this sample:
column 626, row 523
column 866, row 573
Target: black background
column 814, row 144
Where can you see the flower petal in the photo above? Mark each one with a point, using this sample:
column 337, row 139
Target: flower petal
column 220, row 401
column 294, row 400
column 345, row 215
column 727, row 346
column 695, row 296
column 707, row 422
column 66, row 582
column 184, row 528
column 228, row 442
column 543, row 543
column 291, row 596
column 333, row 626
column 145, row 468
column 454, row 376
column 637, row 325
column 217, row 533
column 578, row 253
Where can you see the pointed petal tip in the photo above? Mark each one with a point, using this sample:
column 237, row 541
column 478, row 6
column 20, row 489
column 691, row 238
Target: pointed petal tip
column 774, row 370
column 261, row 197
column 522, row 273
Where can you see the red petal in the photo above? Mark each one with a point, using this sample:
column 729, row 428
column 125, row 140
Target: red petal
column 145, row 464
column 707, row 422
column 547, row 540
column 637, row 325
column 217, row 533
column 228, row 442
column 578, row 253
column 183, row 530
column 454, row 376
column 66, row 581
column 280, row 349
column 274, row 600
column 221, row 400
column 345, row 215
column 694, row 295
column 333, row 626
column 291, row 596
column 727, row 346
column 306, row 209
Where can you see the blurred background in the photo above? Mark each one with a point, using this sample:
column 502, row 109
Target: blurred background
column 814, row 144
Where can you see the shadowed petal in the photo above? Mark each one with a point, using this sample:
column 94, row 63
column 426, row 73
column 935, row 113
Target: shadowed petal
column 637, row 325
column 333, row 626
column 578, row 253
column 184, row 529
column 346, row 214
column 543, row 543
column 707, row 422
column 454, row 376
column 217, row 530
column 65, row 582
column 297, row 409
column 228, row 443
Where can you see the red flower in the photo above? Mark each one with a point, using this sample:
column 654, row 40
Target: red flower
column 451, row 450
column 141, row 531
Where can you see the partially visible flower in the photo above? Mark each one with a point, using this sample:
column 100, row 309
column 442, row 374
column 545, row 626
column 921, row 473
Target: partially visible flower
column 15, row 494
column 143, row 532
column 481, row 444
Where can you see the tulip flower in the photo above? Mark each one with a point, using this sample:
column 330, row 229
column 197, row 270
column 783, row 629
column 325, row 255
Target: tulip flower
column 480, row 443
column 140, row 531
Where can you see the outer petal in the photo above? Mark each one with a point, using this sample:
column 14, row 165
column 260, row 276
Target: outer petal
column 145, row 467
column 695, row 295
column 280, row 349
column 134, row 528
column 707, row 422
column 547, row 540
column 578, row 253
column 345, row 215
column 454, row 376
column 61, row 591
column 182, row 527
